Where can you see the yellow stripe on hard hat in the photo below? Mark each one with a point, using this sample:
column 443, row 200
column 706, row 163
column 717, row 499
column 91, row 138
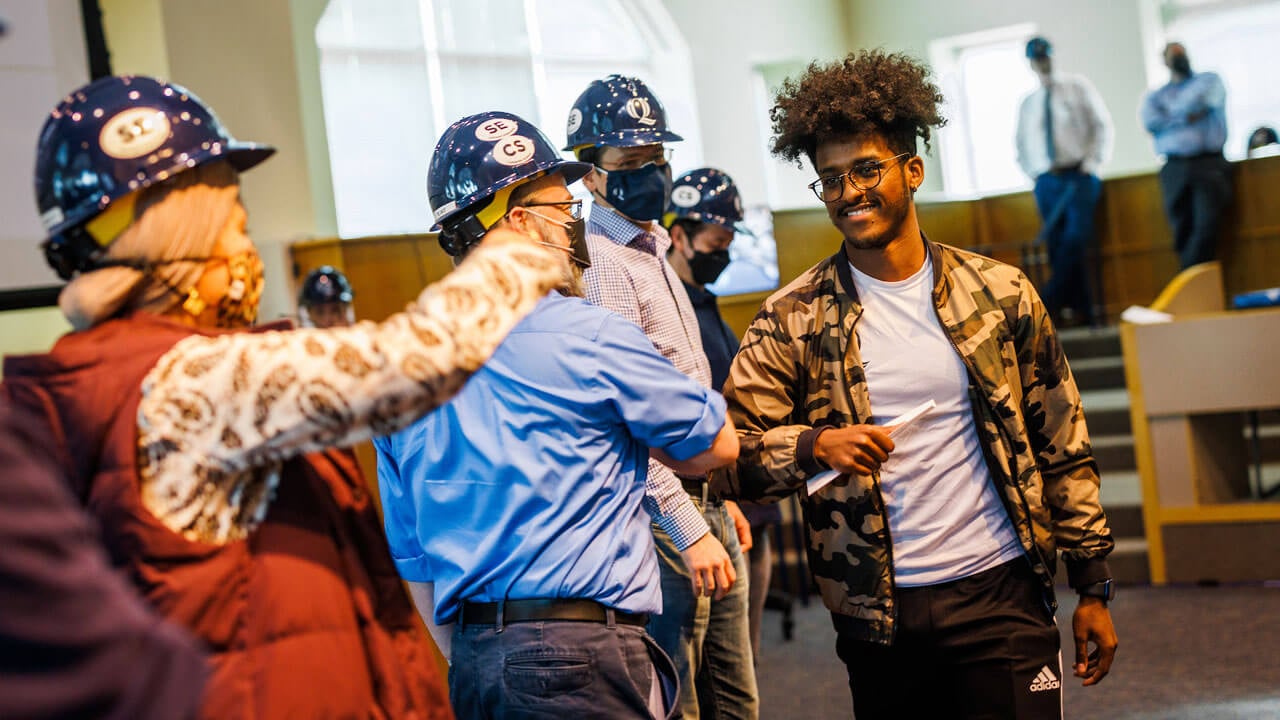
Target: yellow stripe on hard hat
column 500, row 202
column 108, row 225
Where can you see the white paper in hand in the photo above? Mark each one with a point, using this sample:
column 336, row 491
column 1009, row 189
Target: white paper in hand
column 900, row 424
column 821, row 480
column 896, row 426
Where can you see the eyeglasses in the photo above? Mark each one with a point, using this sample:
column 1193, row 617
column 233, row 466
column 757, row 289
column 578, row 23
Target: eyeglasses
column 660, row 157
column 572, row 208
column 864, row 176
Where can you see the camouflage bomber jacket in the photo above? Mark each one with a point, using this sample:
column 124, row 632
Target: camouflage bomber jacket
column 797, row 373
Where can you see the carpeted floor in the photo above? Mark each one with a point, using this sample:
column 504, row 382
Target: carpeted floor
column 1186, row 653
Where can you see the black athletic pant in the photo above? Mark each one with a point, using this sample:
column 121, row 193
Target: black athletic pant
column 1196, row 190
column 985, row 646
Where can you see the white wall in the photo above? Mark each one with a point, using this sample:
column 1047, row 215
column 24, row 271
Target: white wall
column 42, row 58
column 1100, row 39
column 727, row 40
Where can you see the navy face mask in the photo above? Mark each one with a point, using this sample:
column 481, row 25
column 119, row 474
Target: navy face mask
column 640, row 194
column 707, row 266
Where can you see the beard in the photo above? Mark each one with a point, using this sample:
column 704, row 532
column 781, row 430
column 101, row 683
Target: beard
column 572, row 284
column 893, row 215
column 873, row 242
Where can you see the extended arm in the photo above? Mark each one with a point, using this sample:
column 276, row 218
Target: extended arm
column 1060, row 441
column 219, row 415
column 776, row 454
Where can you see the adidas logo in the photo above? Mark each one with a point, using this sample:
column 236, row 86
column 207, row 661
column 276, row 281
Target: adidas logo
column 1045, row 680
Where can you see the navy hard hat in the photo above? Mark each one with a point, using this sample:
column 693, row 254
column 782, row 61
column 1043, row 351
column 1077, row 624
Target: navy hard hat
column 325, row 284
column 617, row 111
column 1038, row 47
column 707, row 195
column 481, row 154
column 118, row 135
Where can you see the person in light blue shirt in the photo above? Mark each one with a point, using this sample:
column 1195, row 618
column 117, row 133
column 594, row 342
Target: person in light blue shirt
column 1187, row 119
column 518, row 512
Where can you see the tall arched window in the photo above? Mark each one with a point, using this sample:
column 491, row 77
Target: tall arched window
column 395, row 73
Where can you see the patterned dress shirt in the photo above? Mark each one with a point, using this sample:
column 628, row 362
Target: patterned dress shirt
column 630, row 275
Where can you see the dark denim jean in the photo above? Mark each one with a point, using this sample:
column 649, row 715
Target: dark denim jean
column 1068, row 200
column 557, row 670
column 710, row 642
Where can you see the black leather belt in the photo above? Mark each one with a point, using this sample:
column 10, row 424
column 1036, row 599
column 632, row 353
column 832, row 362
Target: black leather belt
column 694, row 486
column 535, row 609
column 699, row 489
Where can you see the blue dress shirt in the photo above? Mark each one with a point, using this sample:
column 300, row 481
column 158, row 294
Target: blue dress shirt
column 1165, row 114
column 531, row 482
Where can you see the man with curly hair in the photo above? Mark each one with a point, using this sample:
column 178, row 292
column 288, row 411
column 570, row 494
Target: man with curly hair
column 935, row 547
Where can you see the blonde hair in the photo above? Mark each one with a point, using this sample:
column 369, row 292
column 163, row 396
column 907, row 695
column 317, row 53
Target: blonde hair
column 174, row 230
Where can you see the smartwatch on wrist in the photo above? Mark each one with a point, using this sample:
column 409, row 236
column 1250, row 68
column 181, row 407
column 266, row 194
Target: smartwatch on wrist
column 1105, row 590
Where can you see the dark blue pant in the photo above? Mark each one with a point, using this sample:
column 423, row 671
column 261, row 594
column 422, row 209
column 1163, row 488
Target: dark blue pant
column 985, row 646
column 1067, row 201
column 709, row 641
column 1196, row 191
column 557, row 671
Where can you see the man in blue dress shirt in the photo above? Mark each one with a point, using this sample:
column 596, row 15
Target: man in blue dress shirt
column 518, row 512
column 1187, row 118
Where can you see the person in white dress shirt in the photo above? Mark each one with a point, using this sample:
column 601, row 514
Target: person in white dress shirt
column 1064, row 135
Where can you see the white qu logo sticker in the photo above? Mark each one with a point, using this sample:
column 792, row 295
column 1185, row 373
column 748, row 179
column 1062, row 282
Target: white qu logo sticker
column 638, row 108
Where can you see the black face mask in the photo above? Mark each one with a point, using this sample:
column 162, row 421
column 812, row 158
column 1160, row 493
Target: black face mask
column 1180, row 64
column 707, row 266
column 640, row 194
column 577, row 231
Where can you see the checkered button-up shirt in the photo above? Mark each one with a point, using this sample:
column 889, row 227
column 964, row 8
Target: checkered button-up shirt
column 630, row 275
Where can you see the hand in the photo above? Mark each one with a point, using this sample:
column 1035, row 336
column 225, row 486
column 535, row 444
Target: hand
column 1092, row 623
column 740, row 524
column 855, row 449
column 710, row 567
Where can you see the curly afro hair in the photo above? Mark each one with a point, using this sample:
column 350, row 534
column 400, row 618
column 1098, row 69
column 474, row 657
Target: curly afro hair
column 868, row 91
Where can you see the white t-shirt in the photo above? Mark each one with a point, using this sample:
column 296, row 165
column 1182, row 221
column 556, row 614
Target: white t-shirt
column 946, row 521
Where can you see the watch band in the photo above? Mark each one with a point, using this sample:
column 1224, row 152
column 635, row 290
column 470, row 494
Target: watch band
column 1104, row 589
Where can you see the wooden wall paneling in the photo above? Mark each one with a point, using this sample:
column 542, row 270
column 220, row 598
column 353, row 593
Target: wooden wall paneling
column 1250, row 248
column 740, row 310
column 385, row 274
column 1136, row 245
column 804, row 238
column 953, row 223
column 1257, row 186
column 434, row 262
column 1009, row 219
